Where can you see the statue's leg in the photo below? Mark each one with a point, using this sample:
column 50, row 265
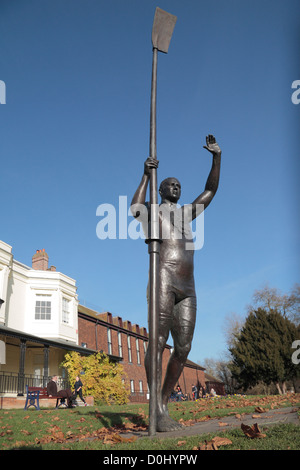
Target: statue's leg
column 161, row 346
column 166, row 312
column 166, row 306
column 182, row 331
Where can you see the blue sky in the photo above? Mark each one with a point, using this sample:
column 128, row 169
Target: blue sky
column 75, row 134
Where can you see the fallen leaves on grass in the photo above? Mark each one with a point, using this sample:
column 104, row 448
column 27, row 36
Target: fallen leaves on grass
column 181, row 443
column 204, row 418
column 188, row 422
column 109, row 436
column 252, row 431
column 115, row 438
column 258, row 409
column 8, row 432
column 214, row 444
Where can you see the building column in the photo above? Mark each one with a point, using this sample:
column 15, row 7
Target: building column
column 21, row 376
column 46, row 366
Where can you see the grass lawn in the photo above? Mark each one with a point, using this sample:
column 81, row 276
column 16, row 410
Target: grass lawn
column 99, row 427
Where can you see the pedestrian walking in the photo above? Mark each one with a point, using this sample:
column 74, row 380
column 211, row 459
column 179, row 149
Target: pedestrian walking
column 78, row 390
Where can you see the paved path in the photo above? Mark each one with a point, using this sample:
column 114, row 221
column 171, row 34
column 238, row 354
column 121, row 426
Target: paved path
column 278, row 416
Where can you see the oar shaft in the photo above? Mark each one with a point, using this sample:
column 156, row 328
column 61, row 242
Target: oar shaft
column 153, row 248
column 153, row 334
column 162, row 30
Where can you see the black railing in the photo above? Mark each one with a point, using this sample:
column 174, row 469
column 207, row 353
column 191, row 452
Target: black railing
column 11, row 382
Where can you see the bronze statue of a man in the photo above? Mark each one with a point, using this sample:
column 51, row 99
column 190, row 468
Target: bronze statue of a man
column 177, row 297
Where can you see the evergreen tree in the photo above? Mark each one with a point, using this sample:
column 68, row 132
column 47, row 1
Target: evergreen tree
column 262, row 350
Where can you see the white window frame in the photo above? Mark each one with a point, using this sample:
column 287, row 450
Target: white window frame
column 65, row 314
column 109, row 343
column 138, row 350
column 120, row 344
column 38, row 298
column 129, row 349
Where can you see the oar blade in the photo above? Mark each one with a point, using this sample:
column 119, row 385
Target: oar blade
column 163, row 26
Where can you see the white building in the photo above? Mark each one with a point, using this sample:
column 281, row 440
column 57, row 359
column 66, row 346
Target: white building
column 37, row 300
column 38, row 321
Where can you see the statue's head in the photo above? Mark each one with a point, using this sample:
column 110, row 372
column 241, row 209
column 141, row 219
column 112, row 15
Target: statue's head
column 170, row 190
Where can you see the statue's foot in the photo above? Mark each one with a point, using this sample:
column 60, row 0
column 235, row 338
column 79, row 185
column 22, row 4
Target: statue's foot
column 165, row 423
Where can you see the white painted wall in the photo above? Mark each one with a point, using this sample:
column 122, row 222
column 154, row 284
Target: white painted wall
column 21, row 287
column 5, row 266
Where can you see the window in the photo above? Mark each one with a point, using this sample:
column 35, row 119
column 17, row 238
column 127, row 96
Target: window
column 38, row 369
column 132, row 386
column 65, row 311
column 129, row 349
column 141, row 387
column 120, row 344
column 109, row 341
column 138, row 351
column 2, row 353
column 43, row 307
column 145, row 346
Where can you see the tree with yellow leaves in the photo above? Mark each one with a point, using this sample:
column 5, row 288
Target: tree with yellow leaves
column 101, row 378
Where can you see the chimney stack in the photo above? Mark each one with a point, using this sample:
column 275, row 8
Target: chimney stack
column 40, row 260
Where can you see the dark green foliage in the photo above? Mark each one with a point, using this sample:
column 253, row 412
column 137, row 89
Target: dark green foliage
column 262, row 350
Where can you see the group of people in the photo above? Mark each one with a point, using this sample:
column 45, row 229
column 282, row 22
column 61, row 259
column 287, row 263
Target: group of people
column 201, row 392
column 67, row 394
column 178, row 395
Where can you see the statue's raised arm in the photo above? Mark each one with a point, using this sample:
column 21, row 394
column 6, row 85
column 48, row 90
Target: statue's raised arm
column 212, row 183
column 140, row 194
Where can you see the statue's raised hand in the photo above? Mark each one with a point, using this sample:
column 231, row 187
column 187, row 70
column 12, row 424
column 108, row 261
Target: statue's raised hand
column 211, row 145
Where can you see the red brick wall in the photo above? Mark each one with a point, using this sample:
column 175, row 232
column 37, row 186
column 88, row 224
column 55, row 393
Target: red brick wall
column 88, row 326
column 189, row 377
column 90, row 333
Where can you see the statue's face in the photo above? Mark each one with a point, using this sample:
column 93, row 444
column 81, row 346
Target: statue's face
column 170, row 190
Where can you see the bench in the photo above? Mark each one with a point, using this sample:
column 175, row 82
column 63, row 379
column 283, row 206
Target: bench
column 35, row 394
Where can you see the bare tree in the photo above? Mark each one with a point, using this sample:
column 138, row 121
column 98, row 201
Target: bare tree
column 294, row 305
column 271, row 298
column 232, row 326
column 220, row 370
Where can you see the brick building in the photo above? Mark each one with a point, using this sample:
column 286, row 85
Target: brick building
column 128, row 343
column 41, row 319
